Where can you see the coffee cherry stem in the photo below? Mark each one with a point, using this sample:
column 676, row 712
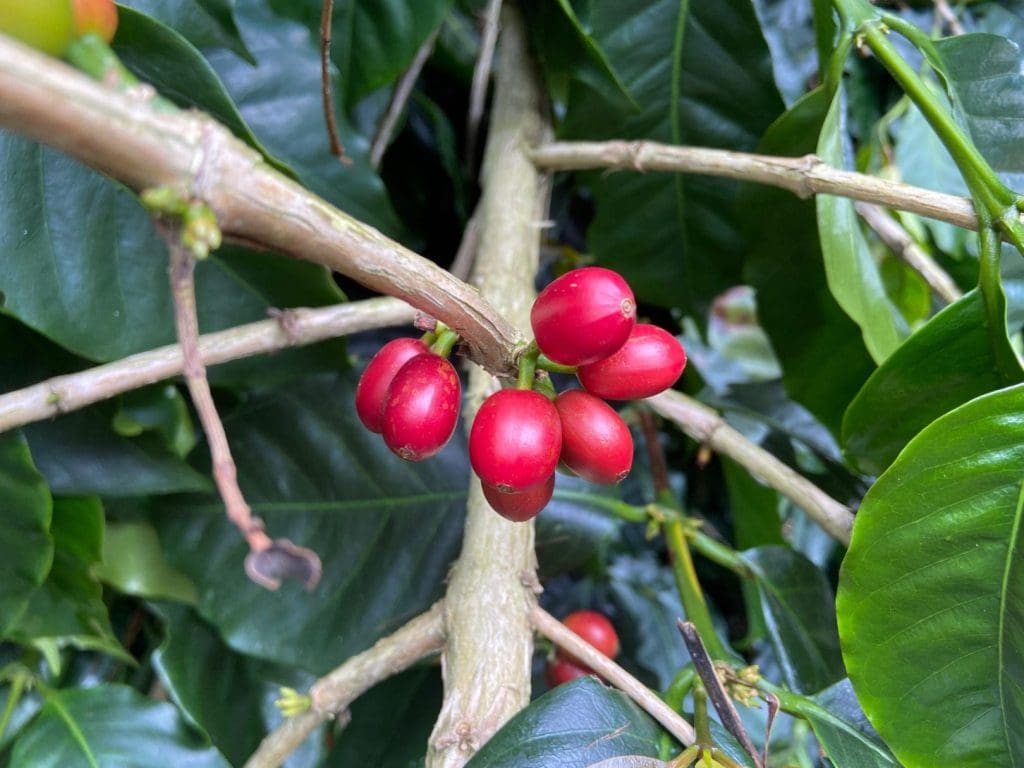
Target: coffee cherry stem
column 445, row 341
column 91, row 54
column 545, row 363
column 527, row 367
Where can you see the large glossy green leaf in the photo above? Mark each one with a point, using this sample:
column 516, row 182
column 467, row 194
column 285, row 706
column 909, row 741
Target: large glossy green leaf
column 943, row 365
column 204, row 23
column 110, row 725
column 133, row 563
column 797, row 603
column 573, row 726
column 372, row 41
column 822, row 351
column 843, row 730
column 385, row 529
column 853, row 276
column 931, row 593
column 68, row 608
column 26, row 550
column 702, row 76
column 227, row 695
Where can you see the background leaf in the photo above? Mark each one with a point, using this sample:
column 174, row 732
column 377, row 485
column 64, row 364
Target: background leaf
column 843, row 730
column 676, row 239
column 798, row 612
column 109, row 725
column 204, row 23
column 385, row 529
column 574, row 725
column 25, row 543
column 931, row 594
column 133, row 564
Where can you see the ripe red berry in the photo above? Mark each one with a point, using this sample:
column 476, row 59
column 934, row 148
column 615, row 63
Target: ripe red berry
column 583, row 316
column 596, row 629
column 596, row 443
column 373, row 384
column 561, row 670
column 520, row 506
column 515, row 440
column 650, row 361
column 421, row 409
column 97, row 17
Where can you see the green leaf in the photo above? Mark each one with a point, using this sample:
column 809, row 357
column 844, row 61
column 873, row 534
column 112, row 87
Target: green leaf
column 109, row 725
column 26, row 550
column 931, row 593
column 853, row 277
column 225, row 694
column 372, row 41
column 385, row 529
column 943, row 365
column 391, row 723
column 133, row 564
column 983, row 73
column 204, row 23
column 68, row 608
column 675, row 238
column 843, row 730
column 800, row 616
column 171, row 64
column 281, row 100
column 822, row 351
column 161, row 409
column 576, row 526
column 575, row 725
column 81, row 263
column 754, row 507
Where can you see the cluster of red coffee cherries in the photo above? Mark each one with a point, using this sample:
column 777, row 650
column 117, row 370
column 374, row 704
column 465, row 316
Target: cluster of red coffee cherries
column 597, row 630
column 584, row 323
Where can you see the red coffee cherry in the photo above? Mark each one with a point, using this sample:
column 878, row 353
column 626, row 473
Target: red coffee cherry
column 97, row 17
column 373, row 384
column 515, row 440
column 583, row 316
column 421, row 408
column 649, row 362
column 596, row 629
column 596, row 443
column 520, row 506
column 560, row 671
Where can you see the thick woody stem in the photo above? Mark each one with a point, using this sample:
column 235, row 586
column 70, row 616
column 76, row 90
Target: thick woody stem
column 803, row 176
column 704, row 425
column 333, row 693
column 142, row 147
column 486, row 663
column 291, row 328
column 650, row 702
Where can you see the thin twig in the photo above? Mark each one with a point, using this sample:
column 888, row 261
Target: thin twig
column 337, row 149
column 646, row 699
column 481, row 76
column 803, row 176
column 293, row 327
column 268, row 560
column 902, row 244
column 332, row 694
column 655, row 454
column 399, row 98
column 704, row 425
column 127, row 139
column 489, row 597
column 462, row 264
column 716, row 691
column 946, row 14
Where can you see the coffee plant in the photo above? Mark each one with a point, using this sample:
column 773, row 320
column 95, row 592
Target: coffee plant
column 535, row 383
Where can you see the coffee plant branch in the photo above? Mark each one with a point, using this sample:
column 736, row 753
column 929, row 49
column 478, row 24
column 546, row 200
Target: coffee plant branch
column 489, row 598
column 803, row 176
column 706, row 426
column 123, row 136
column 333, row 693
column 565, row 638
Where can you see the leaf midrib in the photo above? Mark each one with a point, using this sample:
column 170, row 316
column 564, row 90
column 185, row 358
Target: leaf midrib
column 1011, row 550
